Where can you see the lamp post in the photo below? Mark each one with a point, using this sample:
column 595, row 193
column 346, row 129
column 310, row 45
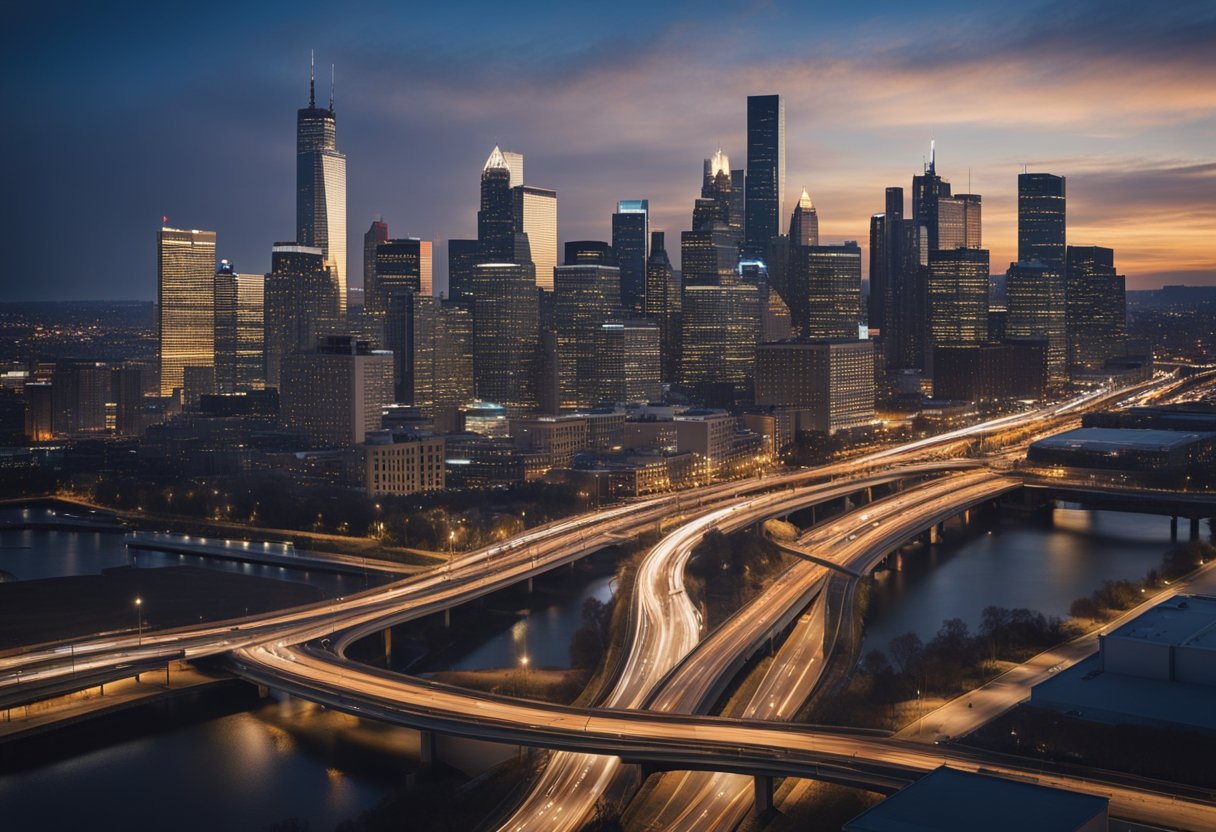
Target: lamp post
column 523, row 661
column 139, row 619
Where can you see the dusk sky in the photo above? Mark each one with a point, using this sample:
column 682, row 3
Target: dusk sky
column 119, row 113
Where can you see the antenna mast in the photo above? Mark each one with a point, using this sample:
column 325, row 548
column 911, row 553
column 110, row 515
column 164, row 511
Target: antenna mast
column 312, row 78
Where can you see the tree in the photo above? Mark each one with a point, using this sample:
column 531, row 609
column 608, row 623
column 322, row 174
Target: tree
column 906, row 650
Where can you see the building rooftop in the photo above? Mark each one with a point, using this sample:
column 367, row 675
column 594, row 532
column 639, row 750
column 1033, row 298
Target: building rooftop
column 1114, row 440
column 947, row 800
column 1183, row 620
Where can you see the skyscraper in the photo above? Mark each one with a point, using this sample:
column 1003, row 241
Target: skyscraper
column 1041, row 205
column 663, row 305
column 403, row 262
column 585, row 298
column 462, row 257
column 957, row 293
column 825, row 291
column 927, row 192
column 832, row 382
column 898, row 262
column 374, row 236
column 321, row 188
column 1096, row 305
column 185, row 303
column 959, row 222
column 239, row 330
column 496, row 218
column 627, row 365
column 765, row 202
column 630, row 239
column 301, row 304
column 505, row 332
column 1037, row 310
column 804, row 222
column 536, row 215
column 719, row 330
column 336, row 392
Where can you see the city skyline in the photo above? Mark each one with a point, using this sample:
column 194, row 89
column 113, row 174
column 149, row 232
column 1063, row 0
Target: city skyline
column 616, row 118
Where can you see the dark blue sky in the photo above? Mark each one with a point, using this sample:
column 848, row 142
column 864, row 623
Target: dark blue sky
column 119, row 113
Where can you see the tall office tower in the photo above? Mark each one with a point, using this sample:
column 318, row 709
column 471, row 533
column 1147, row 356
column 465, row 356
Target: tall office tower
column 127, row 394
column 589, row 253
column 719, row 330
column 377, row 234
column 185, row 302
column 630, row 239
column 1096, row 308
column 898, row 263
column 80, row 389
column 1041, row 205
column 663, row 305
column 335, row 393
column 496, row 219
column 825, row 291
column 404, row 263
column 738, row 202
column 833, row 381
column 958, row 221
column 462, row 257
column 453, row 357
column 321, row 188
column 301, row 304
column 628, row 364
column 240, row 330
column 765, row 205
column 927, row 191
column 957, row 294
column 585, row 297
column 718, row 206
column 708, row 257
column 535, row 211
column 804, row 222
column 40, row 411
column 505, row 327
column 1037, row 310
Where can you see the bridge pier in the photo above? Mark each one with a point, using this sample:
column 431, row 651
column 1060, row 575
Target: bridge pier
column 869, row 494
column 529, row 584
column 388, row 646
column 426, row 748
column 935, row 533
column 763, row 785
column 1194, row 529
column 263, row 692
column 1174, row 528
column 899, row 561
column 447, row 617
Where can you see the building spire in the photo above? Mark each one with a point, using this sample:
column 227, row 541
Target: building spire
column 331, row 87
column 932, row 157
column 312, row 78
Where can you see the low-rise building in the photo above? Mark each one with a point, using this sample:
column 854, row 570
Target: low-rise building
column 403, row 463
column 559, row 437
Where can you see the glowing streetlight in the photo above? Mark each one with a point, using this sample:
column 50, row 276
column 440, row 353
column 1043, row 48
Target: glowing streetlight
column 139, row 618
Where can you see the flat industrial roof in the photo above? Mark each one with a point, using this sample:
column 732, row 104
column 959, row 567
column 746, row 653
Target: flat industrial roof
column 1108, row 440
column 1183, row 620
column 948, row 800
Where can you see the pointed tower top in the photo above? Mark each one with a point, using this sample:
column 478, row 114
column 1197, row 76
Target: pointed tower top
column 312, row 78
column 719, row 163
column 496, row 160
column 804, row 201
column 331, row 88
column 932, row 157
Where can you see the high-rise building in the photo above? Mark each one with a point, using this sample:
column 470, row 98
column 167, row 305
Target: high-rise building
column 708, row 257
column 185, row 303
column 957, row 292
column 80, row 389
column 462, row 257
column 719, row 330
column 628, row 363
column 825, row 291
column 496, row 218
column 663, row 305
column 505, row 332
column 959, row 221
column 898, row 263
column 535, row 212
column 1096, row 304
column 804, row 222
column 373, row 237
column 127, row 394
column 832, row 381
column 453, row 368
column 1041, row 204
column 990, row 372
column 515, row 164
column 927, row 192
column 335, row 394
column 585, row 298
column 301, row 304
column 589, row 253
column 240, row 330
column 321, row 188
column 630, row 240
column 1037, row 310
column 404, row 263
column 765, row 201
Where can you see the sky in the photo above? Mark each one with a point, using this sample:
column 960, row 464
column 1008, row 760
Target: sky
column 120, row 113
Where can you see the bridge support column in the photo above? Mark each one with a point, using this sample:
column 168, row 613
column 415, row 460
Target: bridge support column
column 447, row 617
column 388, row 646
column 1194, row 529
column 529, row 584
column 935, row 533
column 869, row 493
column 1174, row 528
column 426, row 748
column 763, row 794
column 263, row 691
column 899, row 561
column 966, row 517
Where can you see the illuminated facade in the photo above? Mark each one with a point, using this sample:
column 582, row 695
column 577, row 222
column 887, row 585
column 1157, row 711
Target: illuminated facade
column 825, row 291
column 957, row 288
column 240, row 330
column 630, row 241
column 629, row 362
column 832, row 381
column 407, row 263
column 663, row 305
column 336, row 393
column 535, row 211
column 321, row 189
column 505, row 333
column 301, row 304
column 1096, row 315
column 959, row 221
column 585, row 298
column 185, row 301
column 804, row 222
column 765, row 200
column 402, row 463
column 1041, row 214
column 1037, row 309
column 496, row 216
column 720, row 326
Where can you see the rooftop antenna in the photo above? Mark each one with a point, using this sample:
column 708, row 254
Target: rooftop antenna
column 932, row 156
column 312, row 78
column 331, row 88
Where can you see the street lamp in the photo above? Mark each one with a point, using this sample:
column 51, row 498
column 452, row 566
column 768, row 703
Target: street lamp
column 523, row 661
column 139, row 618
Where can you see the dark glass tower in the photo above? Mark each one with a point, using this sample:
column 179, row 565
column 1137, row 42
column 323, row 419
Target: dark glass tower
column 927, row 190
column 374, row 236
column 663, row 305
column 1041, row 220
column 1096, row 305
column 898, row 261
column 630, row 230
column 496, row 219
column 765, row 184
column 321, row 188
column 462, row 257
